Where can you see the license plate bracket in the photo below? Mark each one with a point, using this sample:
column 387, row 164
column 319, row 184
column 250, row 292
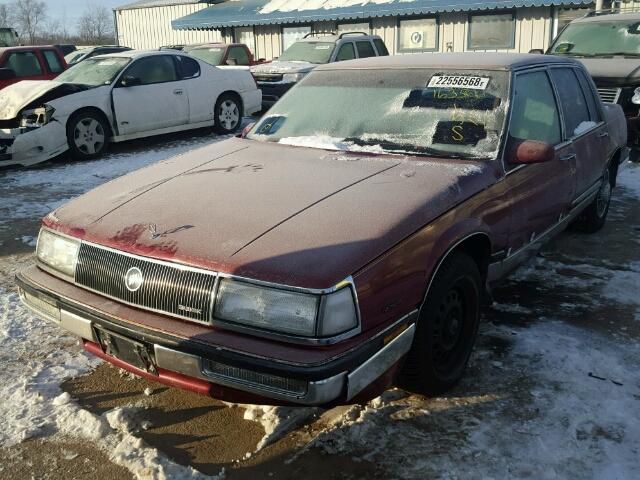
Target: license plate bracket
column 123, row 348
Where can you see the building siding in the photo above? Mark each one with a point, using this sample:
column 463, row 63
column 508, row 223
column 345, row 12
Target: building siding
column 146, row 28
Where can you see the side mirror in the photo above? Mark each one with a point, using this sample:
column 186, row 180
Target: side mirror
column 537, row 51
column 232, row 62
column 246, row 130
column 130, row 81
column 522, row 152
column 7, row 74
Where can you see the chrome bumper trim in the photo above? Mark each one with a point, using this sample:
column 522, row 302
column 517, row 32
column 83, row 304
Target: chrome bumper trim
column 384, row 359
column 318, row 392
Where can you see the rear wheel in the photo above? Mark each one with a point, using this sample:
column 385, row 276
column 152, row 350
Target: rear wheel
column 594, row 216
column 446, row 329
column 87, row 135
column 228, row 112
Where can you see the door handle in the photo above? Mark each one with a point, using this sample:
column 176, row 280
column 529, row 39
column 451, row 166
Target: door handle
column 603, row 135
column 177, row 92
column 566, row 158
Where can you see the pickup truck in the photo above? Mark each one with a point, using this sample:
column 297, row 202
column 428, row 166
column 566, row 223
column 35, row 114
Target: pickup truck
column 221, row 54
column 30, row 63
column 346, row 241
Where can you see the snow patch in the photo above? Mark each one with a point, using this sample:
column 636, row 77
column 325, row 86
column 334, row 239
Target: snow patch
column 276, row 421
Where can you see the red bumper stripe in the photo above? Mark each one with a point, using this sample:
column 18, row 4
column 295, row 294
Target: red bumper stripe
column 166, row 377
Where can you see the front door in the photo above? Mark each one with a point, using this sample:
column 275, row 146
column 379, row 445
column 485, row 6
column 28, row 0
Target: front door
column 149, row 96
column 540, row 193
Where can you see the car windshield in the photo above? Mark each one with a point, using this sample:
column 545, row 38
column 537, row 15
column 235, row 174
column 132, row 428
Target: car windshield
column 602, row 38
column 314, row 52
column 94, row 71
column 212, row 55
column 449, row 113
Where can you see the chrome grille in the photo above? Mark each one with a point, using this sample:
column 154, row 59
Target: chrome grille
column 609, row 95
column 172, row 289
column 268, row 77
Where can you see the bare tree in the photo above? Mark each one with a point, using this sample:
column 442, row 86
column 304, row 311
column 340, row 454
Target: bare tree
column 29, row 16
column 96, row 25
column 5, row 16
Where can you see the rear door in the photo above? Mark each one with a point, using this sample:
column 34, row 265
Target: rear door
column 365, row 49
column 158, row 101
column 540, row 194
column 584, row 126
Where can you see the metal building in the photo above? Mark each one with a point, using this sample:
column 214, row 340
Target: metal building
column 407, row 26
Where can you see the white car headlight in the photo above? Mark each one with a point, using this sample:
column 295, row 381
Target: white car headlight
column 636, row 96
column 58, row 252
column 285, row 311
column 37, row 117
column 292, row 77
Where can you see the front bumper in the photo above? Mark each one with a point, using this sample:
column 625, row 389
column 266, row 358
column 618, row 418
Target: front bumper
column 21, row 146
column 240, row 378
column 272, row 91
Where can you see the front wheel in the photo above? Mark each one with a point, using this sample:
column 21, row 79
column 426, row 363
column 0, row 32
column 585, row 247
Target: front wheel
column 594, row 216
column 228, row 113
column 446, row 330
column 87, row 135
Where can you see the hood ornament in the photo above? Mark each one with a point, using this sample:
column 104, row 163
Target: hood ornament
column 153, row 230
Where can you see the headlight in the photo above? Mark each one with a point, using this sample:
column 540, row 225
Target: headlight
column 37, row 117
column 292, row 77
column 58, row 252
column 285, row 311
column 636, row 96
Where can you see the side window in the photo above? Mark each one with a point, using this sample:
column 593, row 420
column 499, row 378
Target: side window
column 187, row 67
column 237, row 56
column 365, row 49
column 590, row 93
column 534, row 115
column 381, row 47
column 53, row 62
column 25, row 64
column 346, row 52
column 573, row 101
column 156, row 69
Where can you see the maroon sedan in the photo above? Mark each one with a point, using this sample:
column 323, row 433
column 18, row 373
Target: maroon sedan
column 346, row 242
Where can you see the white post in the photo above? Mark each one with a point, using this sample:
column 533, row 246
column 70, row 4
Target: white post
column 599, row 5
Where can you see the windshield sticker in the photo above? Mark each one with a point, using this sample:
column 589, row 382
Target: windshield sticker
column 322, row 47
column 270, row 125
column 107, row 62
column 459, row 133
column 458, row 81
column 451, row 98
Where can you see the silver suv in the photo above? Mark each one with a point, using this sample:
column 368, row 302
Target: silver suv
column 275, row 78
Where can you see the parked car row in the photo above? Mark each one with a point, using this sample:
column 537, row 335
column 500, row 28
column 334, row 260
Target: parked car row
column 385, row 196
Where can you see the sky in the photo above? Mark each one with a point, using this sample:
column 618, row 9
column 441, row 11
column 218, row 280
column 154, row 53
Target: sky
column 71, row 10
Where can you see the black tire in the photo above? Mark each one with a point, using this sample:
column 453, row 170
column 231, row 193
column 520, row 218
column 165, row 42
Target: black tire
column 594, row 216
column 87, row 135
column 228, row 112
column 446, row 330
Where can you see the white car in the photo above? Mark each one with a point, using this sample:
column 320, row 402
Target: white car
column 118, row 97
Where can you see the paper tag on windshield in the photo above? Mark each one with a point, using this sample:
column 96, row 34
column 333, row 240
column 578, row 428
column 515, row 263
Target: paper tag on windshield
column 322, row 47
column 458, row 81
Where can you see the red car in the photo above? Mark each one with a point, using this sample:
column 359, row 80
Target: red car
column 347, row 241
column 30, row 63
column 231, row 54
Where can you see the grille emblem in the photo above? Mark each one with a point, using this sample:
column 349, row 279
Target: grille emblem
column 133, row 279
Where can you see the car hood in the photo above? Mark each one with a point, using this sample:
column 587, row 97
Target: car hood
column 16, row 97
column 615, row 71
column 283, row 67
column 290, row 215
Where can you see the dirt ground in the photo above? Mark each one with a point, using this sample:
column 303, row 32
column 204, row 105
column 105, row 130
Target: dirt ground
column 540, row 398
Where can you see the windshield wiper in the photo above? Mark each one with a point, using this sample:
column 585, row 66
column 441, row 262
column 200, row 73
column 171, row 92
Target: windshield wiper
column 616, row 54
column 388, row 145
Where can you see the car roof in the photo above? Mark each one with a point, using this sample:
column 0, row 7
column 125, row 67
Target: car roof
column 143, row 53
column 609, row 17
column 23, row 48
column 481, row 61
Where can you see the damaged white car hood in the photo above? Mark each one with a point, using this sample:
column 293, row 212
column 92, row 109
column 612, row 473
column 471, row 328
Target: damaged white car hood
column 17, row 96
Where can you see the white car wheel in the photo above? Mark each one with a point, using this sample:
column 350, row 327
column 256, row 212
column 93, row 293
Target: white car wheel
column 87, row 135
column 228, row 114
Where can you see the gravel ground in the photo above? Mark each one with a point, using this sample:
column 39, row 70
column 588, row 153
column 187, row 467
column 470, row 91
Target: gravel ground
column 553, row 389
